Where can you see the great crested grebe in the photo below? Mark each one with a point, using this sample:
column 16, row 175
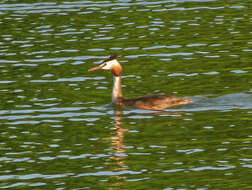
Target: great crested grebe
column 150, row 102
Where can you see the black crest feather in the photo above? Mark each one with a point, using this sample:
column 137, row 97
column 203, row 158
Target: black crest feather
column 114, row 56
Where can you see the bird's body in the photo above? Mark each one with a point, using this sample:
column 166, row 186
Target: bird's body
column 150, row 102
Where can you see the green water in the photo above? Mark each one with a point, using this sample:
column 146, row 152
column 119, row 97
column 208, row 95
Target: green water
column 58, row 128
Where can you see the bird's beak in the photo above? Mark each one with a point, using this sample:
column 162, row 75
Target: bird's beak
column 95, row 68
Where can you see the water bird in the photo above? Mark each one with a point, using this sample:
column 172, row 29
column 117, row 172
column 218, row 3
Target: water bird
column 149, row 102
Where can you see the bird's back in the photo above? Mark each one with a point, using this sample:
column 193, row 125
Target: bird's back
column 155, row 102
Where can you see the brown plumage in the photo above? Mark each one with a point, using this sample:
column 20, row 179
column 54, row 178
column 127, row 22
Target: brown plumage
column 150, row 102
column 153, row 102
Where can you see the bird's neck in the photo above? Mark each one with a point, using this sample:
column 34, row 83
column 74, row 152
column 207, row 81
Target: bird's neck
column 117, row 89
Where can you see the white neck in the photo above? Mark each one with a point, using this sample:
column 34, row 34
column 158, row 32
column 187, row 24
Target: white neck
column 117, row 90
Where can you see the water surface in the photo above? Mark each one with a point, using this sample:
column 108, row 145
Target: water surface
column 58, row 128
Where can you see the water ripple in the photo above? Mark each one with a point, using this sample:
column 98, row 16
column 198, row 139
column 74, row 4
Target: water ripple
column 223, row 167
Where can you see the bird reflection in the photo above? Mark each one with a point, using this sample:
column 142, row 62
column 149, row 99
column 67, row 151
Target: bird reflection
column 118, row 141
